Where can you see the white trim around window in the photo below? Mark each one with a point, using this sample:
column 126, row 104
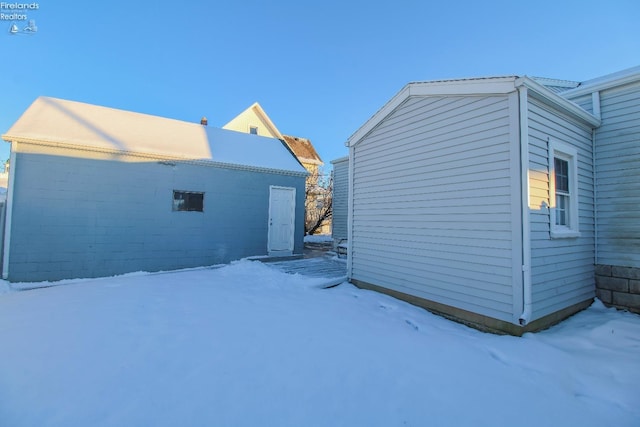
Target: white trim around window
column 563, row 191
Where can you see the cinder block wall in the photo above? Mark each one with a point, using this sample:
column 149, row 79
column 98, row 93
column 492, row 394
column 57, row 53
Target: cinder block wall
column 618, row 286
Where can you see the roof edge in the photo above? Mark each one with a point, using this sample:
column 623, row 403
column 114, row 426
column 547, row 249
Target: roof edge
column 152, row 156
column 546, row 95
column 260, row 111
column 608, row 81
column 547, row 81
column 339, row 160
column 475, row 86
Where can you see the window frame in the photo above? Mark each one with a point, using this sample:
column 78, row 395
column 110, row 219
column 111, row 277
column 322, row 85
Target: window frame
column 200, row 205
column 253, row 127
column 569, row 154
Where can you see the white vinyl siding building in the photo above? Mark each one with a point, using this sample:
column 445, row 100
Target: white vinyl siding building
column 340, row 199
column 617, row 101
column 561, row 256
column 436, row 204
column 442, row 213
column 618, row 174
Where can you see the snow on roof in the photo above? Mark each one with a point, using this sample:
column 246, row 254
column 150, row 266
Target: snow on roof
column 51, row 120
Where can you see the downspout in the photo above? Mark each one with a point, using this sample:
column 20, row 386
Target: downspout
column 9, row 211
column 525, row 317
column 595, row 100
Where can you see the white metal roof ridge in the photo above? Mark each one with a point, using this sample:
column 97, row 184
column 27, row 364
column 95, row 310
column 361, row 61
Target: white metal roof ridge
column 464, row 79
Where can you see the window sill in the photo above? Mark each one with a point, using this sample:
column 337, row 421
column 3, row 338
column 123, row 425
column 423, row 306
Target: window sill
column 564, row 234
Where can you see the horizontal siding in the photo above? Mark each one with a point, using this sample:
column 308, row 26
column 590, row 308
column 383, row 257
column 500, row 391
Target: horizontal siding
column 585, row 102
column 340, row 200
column 79, row 217
column 618, row 177
column 561, row 269
column 432, row 205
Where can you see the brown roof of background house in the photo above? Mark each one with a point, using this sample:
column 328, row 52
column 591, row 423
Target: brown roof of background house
column 303, row 149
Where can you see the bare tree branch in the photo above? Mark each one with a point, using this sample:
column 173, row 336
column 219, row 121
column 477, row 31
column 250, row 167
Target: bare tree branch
column 318, row 201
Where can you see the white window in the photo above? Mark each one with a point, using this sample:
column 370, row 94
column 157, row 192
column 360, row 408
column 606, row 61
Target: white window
column 563, row 190
column 253, row 130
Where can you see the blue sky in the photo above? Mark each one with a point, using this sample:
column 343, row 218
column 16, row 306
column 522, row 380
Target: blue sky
column 319, row 69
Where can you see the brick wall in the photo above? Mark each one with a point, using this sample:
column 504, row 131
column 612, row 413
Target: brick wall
column 619, row 286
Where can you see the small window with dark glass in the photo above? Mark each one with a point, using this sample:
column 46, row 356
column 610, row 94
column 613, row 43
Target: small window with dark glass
column 188, row 201
column 253, row 130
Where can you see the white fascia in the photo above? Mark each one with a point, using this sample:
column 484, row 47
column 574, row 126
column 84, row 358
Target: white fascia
column 620, row 78
column 538, row 91
column 462, row 87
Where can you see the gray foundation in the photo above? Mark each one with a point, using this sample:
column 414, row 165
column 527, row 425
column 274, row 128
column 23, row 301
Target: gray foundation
column 618, row 286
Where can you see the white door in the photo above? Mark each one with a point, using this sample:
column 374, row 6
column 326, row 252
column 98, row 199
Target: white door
column 282, row 214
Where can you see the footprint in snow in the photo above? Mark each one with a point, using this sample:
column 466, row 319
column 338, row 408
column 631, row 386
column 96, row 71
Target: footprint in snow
column 498, row 357
column 413, row 325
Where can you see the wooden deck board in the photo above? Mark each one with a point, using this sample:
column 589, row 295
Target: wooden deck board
column 313, row 267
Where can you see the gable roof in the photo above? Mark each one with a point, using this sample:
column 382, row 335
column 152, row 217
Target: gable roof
column 471, row 87
column 257, row 110
column 52, row 121
column 303, row 149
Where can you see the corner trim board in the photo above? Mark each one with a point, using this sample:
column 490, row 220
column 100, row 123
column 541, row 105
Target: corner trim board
column 9, row 211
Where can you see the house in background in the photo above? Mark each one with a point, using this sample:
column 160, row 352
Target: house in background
column 489, row 200
column 255, row 121
column 95, row 191
column 4, row 182
column 340, row 215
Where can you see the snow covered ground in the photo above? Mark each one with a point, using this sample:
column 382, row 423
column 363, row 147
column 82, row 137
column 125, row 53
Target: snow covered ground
column 318, row 238
column 246, row 345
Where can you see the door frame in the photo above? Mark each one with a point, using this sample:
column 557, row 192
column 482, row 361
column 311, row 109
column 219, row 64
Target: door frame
column 289, row 251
